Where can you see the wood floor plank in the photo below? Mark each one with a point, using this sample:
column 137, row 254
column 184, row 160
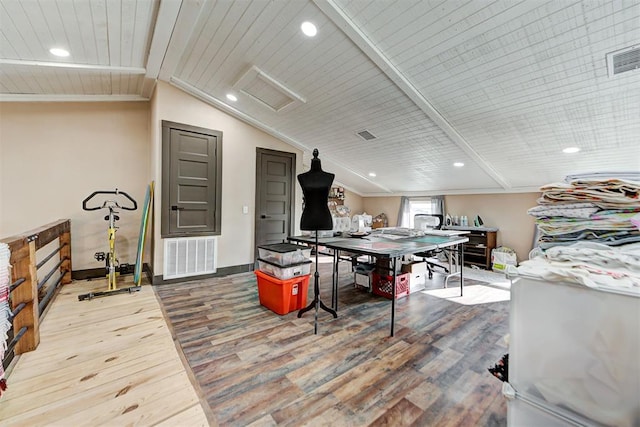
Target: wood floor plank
column 193, row 417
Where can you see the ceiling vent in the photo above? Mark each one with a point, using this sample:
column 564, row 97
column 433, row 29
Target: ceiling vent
column 366, row 135
column 623, row 60
column 266, row 90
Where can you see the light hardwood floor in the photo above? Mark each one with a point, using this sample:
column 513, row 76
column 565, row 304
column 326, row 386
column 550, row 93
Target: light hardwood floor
column 108, row 361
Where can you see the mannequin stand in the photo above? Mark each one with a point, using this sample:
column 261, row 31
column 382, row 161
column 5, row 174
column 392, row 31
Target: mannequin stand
column 316, row 303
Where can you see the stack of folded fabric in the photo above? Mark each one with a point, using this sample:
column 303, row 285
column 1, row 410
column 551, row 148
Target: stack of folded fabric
column 589, row 232
column 5, row 324
column 589, row 207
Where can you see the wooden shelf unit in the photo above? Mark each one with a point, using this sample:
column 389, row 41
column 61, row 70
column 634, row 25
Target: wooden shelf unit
column 477, row 251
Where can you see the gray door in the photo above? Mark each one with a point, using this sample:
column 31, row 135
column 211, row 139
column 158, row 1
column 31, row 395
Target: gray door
column 190, row 198
column 275, row 172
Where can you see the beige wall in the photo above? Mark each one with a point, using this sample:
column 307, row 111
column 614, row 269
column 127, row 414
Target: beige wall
column 239, row 143
column 53, row 155
column 508, row 212
column 353, row 202
column 387, row 205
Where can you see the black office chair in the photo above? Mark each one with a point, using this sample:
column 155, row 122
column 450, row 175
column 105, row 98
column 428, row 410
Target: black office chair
column 425, row 222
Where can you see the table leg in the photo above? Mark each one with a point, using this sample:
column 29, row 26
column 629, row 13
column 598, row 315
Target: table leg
column 334, row 278
column 461, row 266
column 393, row 294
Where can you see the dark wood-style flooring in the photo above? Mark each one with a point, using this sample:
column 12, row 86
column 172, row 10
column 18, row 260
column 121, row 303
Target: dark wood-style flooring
column 254, row 367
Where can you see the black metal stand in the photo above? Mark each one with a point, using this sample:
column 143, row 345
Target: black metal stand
column 92, row 295
column 316, row 303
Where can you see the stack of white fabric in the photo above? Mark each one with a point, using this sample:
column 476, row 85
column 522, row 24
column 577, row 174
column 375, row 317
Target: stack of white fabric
column 591, row 264
column 5, row 312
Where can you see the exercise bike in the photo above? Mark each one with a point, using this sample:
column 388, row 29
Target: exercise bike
column 111, row 261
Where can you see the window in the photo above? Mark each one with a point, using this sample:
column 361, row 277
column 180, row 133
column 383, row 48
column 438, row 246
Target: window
column 418, row 207
column 411, row 206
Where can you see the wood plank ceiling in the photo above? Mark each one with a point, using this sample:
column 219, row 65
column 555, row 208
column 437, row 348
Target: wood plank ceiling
column 502, row 86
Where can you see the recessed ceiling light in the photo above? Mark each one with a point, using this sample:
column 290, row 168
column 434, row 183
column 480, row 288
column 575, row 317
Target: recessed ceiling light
column 372, row 174
column 308, row 29
column 59, row 52
column 571, row 150
column 231, row 97
column 458, row 164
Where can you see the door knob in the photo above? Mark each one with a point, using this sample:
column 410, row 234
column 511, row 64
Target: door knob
column 264, row 216
column 176, row 208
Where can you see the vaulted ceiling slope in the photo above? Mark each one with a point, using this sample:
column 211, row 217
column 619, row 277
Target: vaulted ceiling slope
column 501, row 86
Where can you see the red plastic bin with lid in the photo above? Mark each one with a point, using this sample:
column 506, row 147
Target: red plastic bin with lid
column 282, row 296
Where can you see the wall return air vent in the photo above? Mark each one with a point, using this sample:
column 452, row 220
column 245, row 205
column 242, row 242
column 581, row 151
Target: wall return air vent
column 623, row 60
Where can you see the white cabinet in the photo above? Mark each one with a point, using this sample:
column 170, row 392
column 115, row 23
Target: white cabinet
column 575, row 352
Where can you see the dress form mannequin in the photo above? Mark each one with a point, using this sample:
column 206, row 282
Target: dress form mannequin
column 316, row 184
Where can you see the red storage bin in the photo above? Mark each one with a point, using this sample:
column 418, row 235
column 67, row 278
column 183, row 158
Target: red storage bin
column 382, row 285
column 282, row 296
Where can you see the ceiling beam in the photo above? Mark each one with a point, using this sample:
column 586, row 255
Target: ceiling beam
column 4, row 97
column 208, row 99
column 73, row 66
column 368, row 47
column 185, row 23
column 162, row 31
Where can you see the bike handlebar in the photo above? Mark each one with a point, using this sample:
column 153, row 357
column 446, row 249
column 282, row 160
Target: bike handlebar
column 116, row 192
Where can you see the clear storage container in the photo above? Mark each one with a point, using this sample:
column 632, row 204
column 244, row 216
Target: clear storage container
column 284, row 254
column 284, row 273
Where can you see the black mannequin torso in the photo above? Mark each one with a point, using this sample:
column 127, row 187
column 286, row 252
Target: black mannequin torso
column 315, row 188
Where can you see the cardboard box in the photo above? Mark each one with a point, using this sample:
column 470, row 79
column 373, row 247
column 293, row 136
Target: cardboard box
column 415, row 267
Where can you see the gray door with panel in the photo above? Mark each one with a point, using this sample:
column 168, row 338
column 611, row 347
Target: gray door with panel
column 274, row 196
column 191, row 182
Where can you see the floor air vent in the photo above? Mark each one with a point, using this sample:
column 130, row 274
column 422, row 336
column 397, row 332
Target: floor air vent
column 189, row 256
column 623, row 60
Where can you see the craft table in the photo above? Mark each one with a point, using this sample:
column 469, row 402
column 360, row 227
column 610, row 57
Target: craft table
column 384, row 247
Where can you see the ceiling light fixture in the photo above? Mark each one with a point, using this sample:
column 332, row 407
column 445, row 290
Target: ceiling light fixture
column 372, row 174
column 308, row 29
column 458, row 164
column 232, row 97
column 59, row 52
column 571, row 150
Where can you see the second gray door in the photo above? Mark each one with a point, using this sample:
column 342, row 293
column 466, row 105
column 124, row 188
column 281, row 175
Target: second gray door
column 274, row 196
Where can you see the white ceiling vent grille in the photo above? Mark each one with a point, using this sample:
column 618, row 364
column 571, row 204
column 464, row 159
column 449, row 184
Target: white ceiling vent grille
column 366, row 135
column 623, row 60
column 269, row 92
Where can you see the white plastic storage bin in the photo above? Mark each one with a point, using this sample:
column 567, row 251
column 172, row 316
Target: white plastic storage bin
column 284, row 273
column 576, row 348
column 284, row 254
column 362, row 274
